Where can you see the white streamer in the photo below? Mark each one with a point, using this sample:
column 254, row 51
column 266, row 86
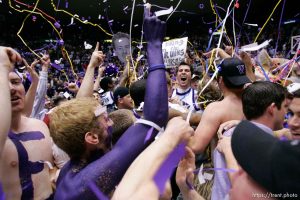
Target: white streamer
column 173, row 10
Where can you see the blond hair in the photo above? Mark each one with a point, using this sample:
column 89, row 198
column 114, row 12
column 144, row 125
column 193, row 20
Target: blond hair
column 70, row 122
column 123, row 119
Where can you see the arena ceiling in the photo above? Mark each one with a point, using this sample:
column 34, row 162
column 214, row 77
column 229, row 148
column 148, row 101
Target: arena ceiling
column 114, row 15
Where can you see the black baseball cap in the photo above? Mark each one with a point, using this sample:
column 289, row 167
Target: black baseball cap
column 120, row 92
column 272, row 163
column 234, row 70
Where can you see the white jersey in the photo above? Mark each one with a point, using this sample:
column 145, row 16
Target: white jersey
column 107, row 98
column 188, row 98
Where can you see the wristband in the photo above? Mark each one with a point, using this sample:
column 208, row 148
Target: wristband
column 156, row 67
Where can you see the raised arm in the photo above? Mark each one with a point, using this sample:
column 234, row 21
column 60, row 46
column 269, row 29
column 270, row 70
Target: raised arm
column 8, row 57
column 185, row 176
column 156, row 97
column 249, row 67
column 138, row 181
column 113, row 165
column 207, row 128
column 30, row 95
column 39, row 101
column 99, row 76
column 86, row 88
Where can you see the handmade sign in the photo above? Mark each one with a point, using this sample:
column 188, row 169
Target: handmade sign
column 174, row 51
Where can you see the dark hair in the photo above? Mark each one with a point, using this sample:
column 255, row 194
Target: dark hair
column 259, row 95
column 117, row 36
column 137, row 91
column 58, row 99
column 184, row 63
column 296, row 94
column 229, row 85
column 104, row 83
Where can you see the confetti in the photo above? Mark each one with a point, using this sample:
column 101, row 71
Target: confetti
column 33, row 18
column 164, row 12
column 251, row 24
column 87, row 46
column 57, row 25
column 58, row 61
column 201, row 5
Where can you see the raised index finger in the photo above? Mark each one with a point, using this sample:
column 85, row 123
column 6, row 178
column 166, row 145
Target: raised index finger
column 97, row 47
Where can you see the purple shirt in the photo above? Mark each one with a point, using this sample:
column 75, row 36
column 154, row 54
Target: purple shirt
column 222, row 185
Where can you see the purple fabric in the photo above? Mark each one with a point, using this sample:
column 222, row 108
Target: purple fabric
column 56, row 66
column 149, row 134
column 168, row 166
column 108, row 170
column 191, row 187
column 29, row 77
column 2, row 195
column 27, row 136
column 93, row 187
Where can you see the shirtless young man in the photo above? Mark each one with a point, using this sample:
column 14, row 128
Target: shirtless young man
column 23, row 173
column 232, row 77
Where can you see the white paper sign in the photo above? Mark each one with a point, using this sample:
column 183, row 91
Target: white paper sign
column 257, row 47
column 174, row 51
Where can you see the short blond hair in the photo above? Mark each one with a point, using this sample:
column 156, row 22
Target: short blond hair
column 70, row 122
column 123, row 119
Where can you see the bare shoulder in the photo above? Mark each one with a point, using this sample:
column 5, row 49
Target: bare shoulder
column 214, row 108
column 32, row 124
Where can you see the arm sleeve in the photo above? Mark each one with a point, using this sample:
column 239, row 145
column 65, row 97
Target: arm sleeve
column 112, row 166
column 39, row 100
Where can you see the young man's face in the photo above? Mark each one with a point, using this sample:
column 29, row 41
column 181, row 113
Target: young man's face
column 294, row 120
column 122, row 48
column 17, row 92
column 195, row 84
column 96, row 96
column 280, row 114
column 127, row 102
column 105, row 123
column 184, row 76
